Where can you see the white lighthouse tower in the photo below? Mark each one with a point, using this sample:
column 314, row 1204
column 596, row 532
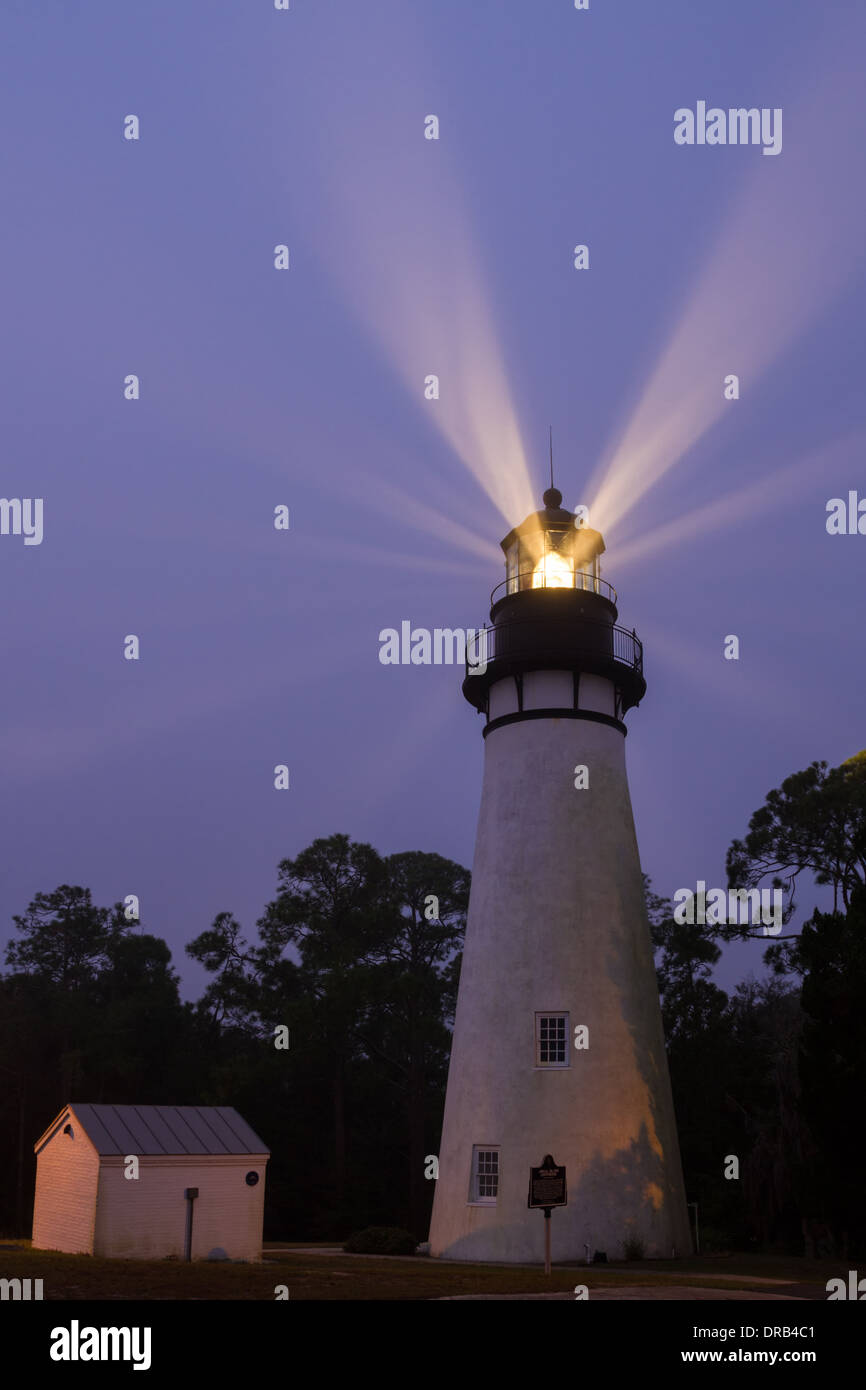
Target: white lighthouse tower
column 558, row 1045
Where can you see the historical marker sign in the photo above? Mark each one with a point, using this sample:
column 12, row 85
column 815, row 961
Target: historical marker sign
column 547, row 1184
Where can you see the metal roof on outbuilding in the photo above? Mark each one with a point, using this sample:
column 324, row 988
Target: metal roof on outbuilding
column 164, row 1129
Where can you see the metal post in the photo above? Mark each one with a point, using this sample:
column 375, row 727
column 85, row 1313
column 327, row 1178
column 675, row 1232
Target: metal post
column 547, row 1240
column 190, row 1193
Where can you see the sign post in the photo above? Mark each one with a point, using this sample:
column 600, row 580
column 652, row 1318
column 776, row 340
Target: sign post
column 547, row 1190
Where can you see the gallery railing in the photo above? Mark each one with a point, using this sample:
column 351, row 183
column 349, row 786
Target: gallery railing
column 561, row 646
column 530, row 579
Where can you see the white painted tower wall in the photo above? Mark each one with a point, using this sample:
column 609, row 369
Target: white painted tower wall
column 557, row 923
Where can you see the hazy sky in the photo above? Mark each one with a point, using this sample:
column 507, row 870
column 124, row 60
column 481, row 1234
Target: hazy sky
column 305, row 387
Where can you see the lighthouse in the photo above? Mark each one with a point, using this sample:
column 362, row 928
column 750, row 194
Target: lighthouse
column 558, row 1046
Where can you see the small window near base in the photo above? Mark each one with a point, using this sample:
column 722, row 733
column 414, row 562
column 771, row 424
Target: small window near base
column 484, row 1186
column 551, row 1040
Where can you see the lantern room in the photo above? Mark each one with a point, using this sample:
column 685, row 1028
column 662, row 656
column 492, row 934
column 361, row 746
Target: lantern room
column 552, row 549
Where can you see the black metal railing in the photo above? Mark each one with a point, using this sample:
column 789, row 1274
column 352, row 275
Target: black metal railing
column 526, row 640
column 531, row 579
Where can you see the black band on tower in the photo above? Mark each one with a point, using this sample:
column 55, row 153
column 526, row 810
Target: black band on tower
column 594, row 715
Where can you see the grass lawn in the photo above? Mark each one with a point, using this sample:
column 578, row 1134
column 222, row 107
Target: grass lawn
column 358, row 1277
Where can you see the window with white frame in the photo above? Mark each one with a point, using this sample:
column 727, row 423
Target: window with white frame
column 485, row 1174
column 551, row 1040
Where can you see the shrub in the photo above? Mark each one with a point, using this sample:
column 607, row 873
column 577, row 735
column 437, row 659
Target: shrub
column 633, row 1248
column 381, row 1240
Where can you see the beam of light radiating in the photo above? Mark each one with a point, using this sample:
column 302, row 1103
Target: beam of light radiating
column 779, row 489
column 409, row 746
column 395, row 559
column 779, row 261
column 394, row 502
column 29, row 752
column 725, row 681
column 395, row 233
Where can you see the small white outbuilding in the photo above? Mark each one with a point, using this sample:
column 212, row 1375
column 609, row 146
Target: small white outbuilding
column 150, row 1181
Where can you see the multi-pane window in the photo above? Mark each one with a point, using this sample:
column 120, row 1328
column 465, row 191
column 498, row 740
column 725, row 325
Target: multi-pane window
column 485, row 1174
column 551, row 1040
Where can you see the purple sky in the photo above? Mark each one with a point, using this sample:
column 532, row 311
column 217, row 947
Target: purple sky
column 259, row 387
